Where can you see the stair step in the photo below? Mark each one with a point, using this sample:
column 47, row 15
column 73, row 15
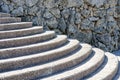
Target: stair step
column 108, row 71
column 17, row 62
column 9, row 20
column 18, row 25
column 20, row 32
column 19, row 41
column 81, row 70
column 48, row 68
column 33, row 48
column 117, row 76
column 4, row 15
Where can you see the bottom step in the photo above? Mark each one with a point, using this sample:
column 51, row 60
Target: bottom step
column 81, row 70
column 108, row 70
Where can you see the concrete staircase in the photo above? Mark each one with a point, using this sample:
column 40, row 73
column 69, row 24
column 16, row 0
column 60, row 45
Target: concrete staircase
column 29, row 53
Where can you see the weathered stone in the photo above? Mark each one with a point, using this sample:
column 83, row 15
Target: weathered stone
column 18, row 11
column 5, row 8
column 11, row 7
column 55, row 12
column 72, row 16
column 85, row 13
column 47, row 15
column 84, row 36
column 75, row 3
column 19, row 2
column 111, row 11
column 32, row 11
column 58, row 31
column 49, row 3
column 65, row 13
column 52, row 23
column 86, row 25
column 96, row 3
column 77, row 18
column 93, row 18
column 31, row 3
column 62, row 25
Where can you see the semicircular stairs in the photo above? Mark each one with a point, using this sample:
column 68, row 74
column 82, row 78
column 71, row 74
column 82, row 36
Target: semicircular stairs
column 29, row 53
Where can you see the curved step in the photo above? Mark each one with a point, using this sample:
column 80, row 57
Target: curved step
column 28, row 49
column 81, row 70
column 4, row 15
column 9, row 20
column 20, row 32
column 49, row 68
column 16, row 62
column 18, row 25
column 109, row 70
column 19, row 41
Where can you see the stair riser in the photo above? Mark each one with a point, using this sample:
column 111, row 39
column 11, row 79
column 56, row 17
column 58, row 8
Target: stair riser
column 15, row 26
column 28, row 50
column 35, row 60
column 25, row 41
column 4, row 15
column 47, row 70
column 19, row 33
column 9, row 20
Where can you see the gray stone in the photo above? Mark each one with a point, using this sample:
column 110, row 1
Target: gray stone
column 72, row 29
column 52, row 23
column 96, row 3
column 5, row 8
column 75, row 3
column 62, row 25
column 19, row 2
column 93, row 18
column 77, row 18
column 55, row 12
column 58, row 31
column 31, row 3
column 86, row 25
column 85, row 13
column 72, row 16
column 49, row 3
column 11, row 7
column 47, row 14
column 84, row 36
column 18, row 11
column 32, row 11
column 65, row 13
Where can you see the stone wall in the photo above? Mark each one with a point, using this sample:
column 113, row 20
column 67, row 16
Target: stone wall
column 93, row 21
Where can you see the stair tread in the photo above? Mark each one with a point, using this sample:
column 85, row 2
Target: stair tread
column 41, row 57
column 108, row 71
column 18, row 41
column 82, row 70
column 19, row 32
column 21, row 29
column 27, row 49
column 17, row 25
column 48, row 68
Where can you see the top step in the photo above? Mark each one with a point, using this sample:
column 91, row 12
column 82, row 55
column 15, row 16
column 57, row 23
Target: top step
column 9, row 20
column 4, row 15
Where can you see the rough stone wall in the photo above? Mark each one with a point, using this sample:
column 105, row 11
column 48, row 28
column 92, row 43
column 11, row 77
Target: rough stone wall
column 93, row 21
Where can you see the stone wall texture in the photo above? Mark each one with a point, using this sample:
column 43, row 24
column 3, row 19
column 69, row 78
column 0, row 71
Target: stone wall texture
column 93, row 21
